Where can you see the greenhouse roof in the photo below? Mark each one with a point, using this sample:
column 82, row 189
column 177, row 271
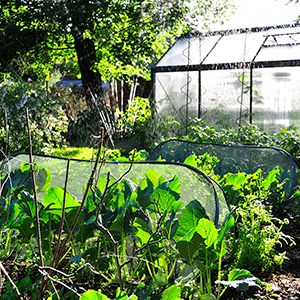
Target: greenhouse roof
column 258, row 47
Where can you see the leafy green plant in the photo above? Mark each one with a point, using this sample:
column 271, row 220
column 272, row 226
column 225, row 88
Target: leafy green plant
column 48, row 119
column 124, row 230
column 288, row 140
column 206, row 163
column 141, row 126
column 259, row 232
column 258, row 235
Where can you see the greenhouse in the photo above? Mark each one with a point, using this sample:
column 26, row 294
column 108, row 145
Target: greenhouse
column 232, row 78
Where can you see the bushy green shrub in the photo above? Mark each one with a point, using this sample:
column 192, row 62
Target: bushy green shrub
column 86, row 124
column 143, row 128
column 47, row 118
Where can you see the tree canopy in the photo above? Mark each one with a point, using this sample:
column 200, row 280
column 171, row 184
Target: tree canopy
column 40, row 33
column 95, row 39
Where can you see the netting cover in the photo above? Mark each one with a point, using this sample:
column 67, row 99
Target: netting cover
column 195, row 185
column 233, row 158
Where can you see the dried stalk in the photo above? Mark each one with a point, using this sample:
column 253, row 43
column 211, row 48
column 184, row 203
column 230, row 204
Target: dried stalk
column 89, row 185
column 60, row 254
column 6, row 132
column 105, row 230
column 37, row 218
column 116, row 250
column 59, row 282
column 11, row 281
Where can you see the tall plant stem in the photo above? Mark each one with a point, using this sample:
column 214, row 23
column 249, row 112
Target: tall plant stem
column 62, row 215
column 37, row 218
column 11, row 281
column 116, row 251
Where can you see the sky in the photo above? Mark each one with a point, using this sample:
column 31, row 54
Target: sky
column 258, row 13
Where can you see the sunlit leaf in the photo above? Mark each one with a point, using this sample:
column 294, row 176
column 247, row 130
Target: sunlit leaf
column 188, row 221
column 55, row 197
column 172, row 293
column 207, row 231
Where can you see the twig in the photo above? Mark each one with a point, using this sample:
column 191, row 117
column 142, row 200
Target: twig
column 38, row 229
column 116, row 250
column 149, row 242
column 10, row 281
column 71, row 275
column 46, row 278
column 59, row 282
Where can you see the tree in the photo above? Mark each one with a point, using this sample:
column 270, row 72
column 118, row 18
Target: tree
column 101, row 34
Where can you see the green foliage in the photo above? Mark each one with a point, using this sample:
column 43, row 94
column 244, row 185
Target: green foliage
column 258, row 235
column 126, row 230
column 287, row 140
column 26, row 287
column 206, row 163
column 140, row 127
column 257, row 200
column 48, row 121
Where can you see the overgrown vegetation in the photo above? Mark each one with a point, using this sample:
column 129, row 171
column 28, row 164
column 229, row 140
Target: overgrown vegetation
column 122, row 232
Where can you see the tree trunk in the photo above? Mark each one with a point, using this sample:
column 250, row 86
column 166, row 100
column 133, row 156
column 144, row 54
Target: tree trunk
column 91, row 79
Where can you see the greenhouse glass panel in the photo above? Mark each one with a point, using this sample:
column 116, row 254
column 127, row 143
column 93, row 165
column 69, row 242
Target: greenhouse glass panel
column 225, row 96
column 277, row 102
column 245, row 47
column 178, row 95
column 274, row 53
column 188, row 51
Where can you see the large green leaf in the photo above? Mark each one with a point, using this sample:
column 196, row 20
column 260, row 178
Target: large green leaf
column 164, row 199
column 93, row 295
column 121, row 295
column 227, row 225
column 172, row 293
column 191, row 160
column 25, row 227
column 236, row 180
column 187, row 249
column 85, row 232
column 55, row 197
column 142, row 230
column 27, row 204
column 153, row 177
column 173, row 186
column 14, row 212
column 271, row 177
column 188, row 221
column 43, row 179
column 207, row 231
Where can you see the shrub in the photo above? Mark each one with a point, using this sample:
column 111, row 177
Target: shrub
column 47, row 119
column 141, row 126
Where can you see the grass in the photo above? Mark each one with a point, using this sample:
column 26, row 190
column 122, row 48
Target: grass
column 75, row 152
